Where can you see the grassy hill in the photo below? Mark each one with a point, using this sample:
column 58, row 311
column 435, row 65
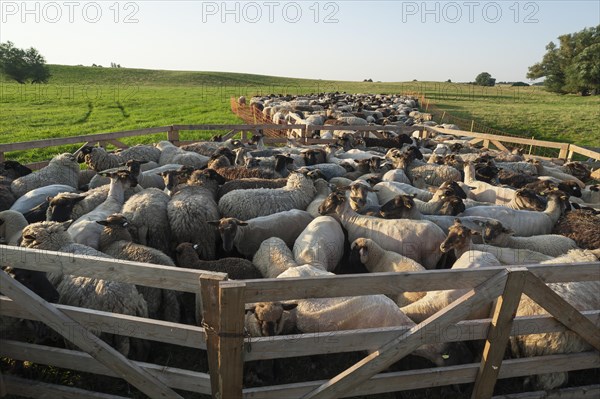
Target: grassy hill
column 86, row 100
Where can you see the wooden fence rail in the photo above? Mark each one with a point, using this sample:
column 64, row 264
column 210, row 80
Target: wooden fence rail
column 222, row 331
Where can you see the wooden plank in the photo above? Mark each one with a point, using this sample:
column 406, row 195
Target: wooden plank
column 41, row 390
column 564, row 151
column 584, row 151
column 439, row 376
column 499, row 145
column 563, row 311
column 118, row 144
column 136, row 327
column 358, row 128
column 173, row 136
column 168, row 277
column 186, row 380
column 89, row 343
column 486, row 143
column 367, row 339
column 231, row 343
column 585, row 392
column 209, row 288
column 391, row 283
column 28, row 145
column 475, row 141
column 2, row 159
column 499, row 332
column 37, row 165
column 505, row 139
column 238, row 127
column 408, row 342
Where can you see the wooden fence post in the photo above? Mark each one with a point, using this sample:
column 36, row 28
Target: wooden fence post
column 472, row 124
column 564, row 151
column 231, row 340
column 173, row 136
column 499, row 333
column 2, row 156
column 209, row 289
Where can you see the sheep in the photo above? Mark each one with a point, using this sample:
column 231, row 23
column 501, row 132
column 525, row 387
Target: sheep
column 459, row 238
column 321, row 244
column 146, row 178
column 329, row 170
column 105, row 295
column 11, row 170
column 482, row 191
column 38, row 213
column 466, row 259
column 266, row 319
column 591, row 194
column 236, row 268
column 171, row 154
column 38, row 196
column 396, row 175
column 378, row 260
column 583, row 295
column 85, row 230
column 556, row 173
column 7, row 198
column 550, row 244
column 248, row 204
column 62, row 169
column 148, row 218
column 582, row 226
column 249, row 183
column 350, row 313
column 115, row 241
column 525, row 223
column 98, row 159
column 247, row 236
column 192, row 207
column 387, row 190
column 273, row 257
column 37, row 282
column 12, row 224
column 416, row 239
column 323, row 189
column 222, row 165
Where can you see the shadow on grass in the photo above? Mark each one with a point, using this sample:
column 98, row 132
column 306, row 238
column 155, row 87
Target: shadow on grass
column 87, row 115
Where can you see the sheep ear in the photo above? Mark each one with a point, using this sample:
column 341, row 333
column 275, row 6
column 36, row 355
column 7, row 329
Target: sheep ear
column 289, row 306
column 65, row 225
column 371, row 190
column 508, row 231
column 251, row 309
column 29, row 237
column 102, row 222
column 49, row 199
column 214, row 222
column 241, row 223
column 475, row 233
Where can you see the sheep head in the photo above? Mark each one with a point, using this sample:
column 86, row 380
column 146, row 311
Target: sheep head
column 46, row 235
column 61, row 206
column 332, row 202
column 398, row 207
column 228, row 228
column 268, row 318
column 458, row 237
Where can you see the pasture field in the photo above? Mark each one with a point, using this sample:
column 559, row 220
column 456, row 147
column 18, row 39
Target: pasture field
column 86, row 100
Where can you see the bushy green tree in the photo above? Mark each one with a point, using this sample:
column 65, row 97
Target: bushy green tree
column 23, row 65
column 574, row 65
column 485, row 79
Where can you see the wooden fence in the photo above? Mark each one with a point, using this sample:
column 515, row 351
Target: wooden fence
column 222, row 334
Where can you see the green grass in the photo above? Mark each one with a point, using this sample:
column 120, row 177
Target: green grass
column 86, row 100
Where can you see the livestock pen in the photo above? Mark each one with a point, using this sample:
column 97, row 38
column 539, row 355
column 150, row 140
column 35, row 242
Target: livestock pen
column 221, row 335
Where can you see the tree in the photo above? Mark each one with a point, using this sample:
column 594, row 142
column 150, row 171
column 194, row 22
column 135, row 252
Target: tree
column 573, row 66
column 23, row 65
column 485, row 79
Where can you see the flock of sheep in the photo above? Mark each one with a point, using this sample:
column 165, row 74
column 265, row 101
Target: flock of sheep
column 363, row 205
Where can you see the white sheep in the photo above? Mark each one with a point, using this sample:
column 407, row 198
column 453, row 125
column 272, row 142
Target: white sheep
column 85, row 292
column 416, row 239
column 351, row 313
column 12, row 224
column 248, row 204
column 378, row 260
column 396, row 175
column 387, row 190
column 98, row 159
column 550, row 244
column 171, row 154
column 524, row 223
column 85, row 230
column 191, row 208
column 273, row 257
column 321, row 244
column 247, row 236
column 323, row 189
column 485, row 192
column 37, row 196
column 148, row 218
column 62, row 169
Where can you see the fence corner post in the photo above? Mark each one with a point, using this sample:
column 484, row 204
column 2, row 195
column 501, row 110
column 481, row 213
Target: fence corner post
column 564, row 151
column 231, row 342
column 209, row 310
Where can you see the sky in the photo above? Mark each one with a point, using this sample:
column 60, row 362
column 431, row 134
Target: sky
column 338, row 40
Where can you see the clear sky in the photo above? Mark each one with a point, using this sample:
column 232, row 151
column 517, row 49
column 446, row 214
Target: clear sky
column 343, row 40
